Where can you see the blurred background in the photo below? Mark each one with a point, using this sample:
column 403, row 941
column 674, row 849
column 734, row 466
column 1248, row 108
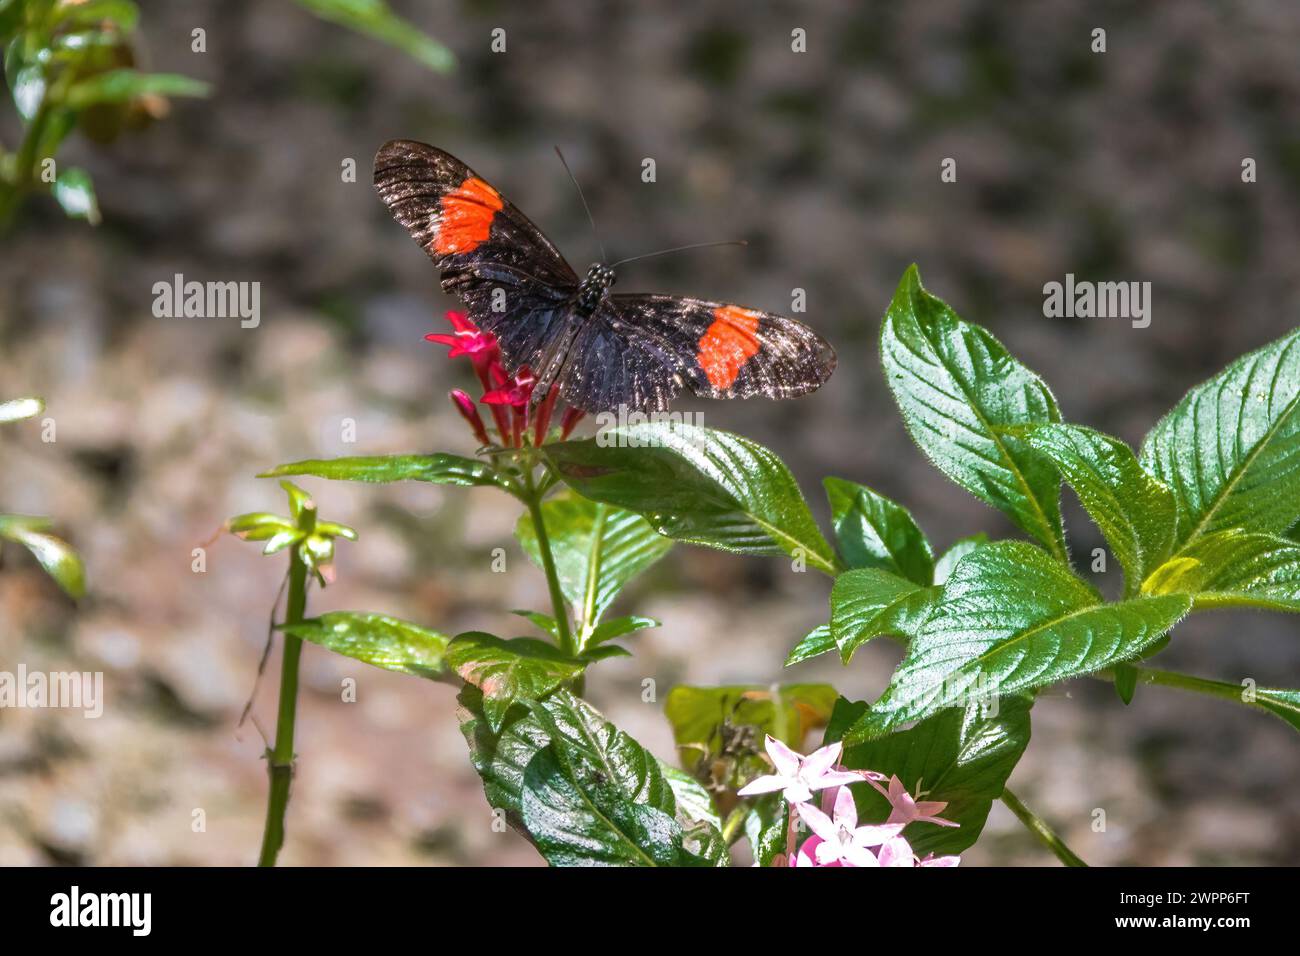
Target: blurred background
column 1123, row 165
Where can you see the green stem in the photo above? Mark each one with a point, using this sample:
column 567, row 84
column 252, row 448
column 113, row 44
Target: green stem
column 1201, row 685
column 534, row 502
column 1039, row 828
column 734, row 825
column 279, row 760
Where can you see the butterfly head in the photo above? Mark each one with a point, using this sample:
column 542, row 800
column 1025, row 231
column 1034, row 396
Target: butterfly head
column 594, row 287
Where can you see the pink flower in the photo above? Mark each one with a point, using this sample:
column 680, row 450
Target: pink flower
column 907, row 810
column 895, row 851
column 932, row 860
column 842, row 841
column 798, row 776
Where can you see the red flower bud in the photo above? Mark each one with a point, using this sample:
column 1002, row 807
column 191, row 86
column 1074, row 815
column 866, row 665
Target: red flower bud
column 570, row 421
column 469, row 411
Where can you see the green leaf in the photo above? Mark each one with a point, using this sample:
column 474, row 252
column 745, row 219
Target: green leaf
column 700, row 485
column 56, row 556
column 507, row 671
column 120, row 86
column 1230, row 450
column 19, row 408
column 694, row 803
column 582, row 820
column 544, row 622
column 875, row 532
column 440, row 469
column 957, row 387
column 595, row 797
column 1233, row 569
column 75, row 194
column 581, row 735
column 91, row 13
column 376, row 19
column 1012, row 619
column 960, row 548
column 377, row 639
column 500, row 756
column 259, row 526
column 713, row 722
column 597, row 549
column 619, row 627
column 961, row 756
column 1134, row 511
column 869, row 603
column 1126, row 676
column 597, row 749
column 766, row 824
column 818, row 641
column 28, row 86
column 1280, row 703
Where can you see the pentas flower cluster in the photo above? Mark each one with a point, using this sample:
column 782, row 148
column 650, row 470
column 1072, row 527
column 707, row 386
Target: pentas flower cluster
column 509, row 398
column 836, row 838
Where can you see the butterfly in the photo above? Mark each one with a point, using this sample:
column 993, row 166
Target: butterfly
column 604, row 350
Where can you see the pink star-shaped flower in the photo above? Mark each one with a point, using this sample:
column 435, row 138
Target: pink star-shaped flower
column 906, row 809
column 842, row 842
column 798, row 776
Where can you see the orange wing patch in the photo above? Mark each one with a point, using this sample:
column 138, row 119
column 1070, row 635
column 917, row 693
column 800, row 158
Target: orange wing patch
column 465, row 217
column 728, row 344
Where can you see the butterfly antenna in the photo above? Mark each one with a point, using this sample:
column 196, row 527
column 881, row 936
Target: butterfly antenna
column 578, row 187
column 693, row 245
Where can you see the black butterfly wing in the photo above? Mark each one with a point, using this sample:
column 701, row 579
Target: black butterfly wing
column 639, row 351
column 513, row 281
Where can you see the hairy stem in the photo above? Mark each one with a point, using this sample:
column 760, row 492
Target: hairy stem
column 534, row 502
column 1039, row 828
column 279, row 760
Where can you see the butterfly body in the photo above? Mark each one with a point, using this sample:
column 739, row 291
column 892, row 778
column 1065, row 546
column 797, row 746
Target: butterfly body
column 605, row 351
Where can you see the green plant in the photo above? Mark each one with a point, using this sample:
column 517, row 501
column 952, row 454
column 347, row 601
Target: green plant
column 1203, row 517
column 72, row 65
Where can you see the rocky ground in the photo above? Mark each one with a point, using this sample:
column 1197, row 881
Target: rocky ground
column 1123, row 165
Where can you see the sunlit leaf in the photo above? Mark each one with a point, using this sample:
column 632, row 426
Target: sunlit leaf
column 957, row 388
column 56, row 556
column 1012, row 619
column 20, row 408
column 1134, row 511
column 507, row 671
column 875, row 532
column 699, row 485
column 870, row 603
column 441, row 469
column 597, row 549
column 1230, row 450
column 960, row 548
column 818, row 641
column 375, row 18
column 377, row 639
column 1233, row 569
column 75, row 194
